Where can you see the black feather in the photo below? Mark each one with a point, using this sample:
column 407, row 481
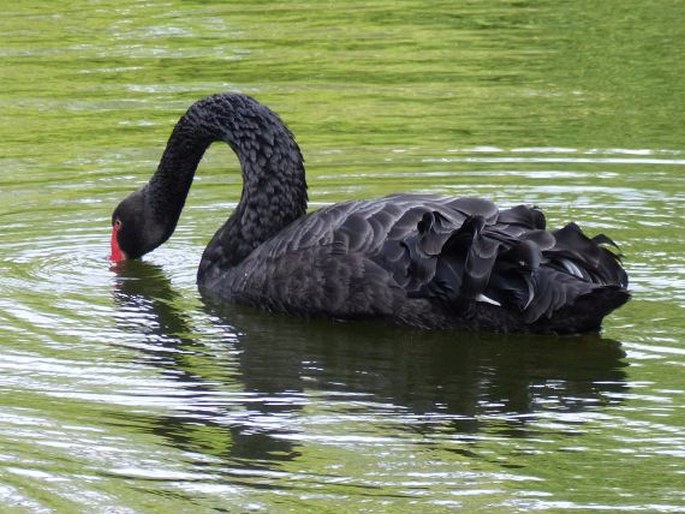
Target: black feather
column 417, row 260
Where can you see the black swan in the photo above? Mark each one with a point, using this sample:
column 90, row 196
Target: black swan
column 413, row 259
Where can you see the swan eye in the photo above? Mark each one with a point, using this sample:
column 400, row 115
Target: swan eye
column 117, row 224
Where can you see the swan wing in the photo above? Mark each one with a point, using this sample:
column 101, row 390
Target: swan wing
column 368, row 257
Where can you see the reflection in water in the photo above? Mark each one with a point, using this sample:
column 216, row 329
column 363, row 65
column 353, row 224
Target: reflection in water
column 244, row 408
column 214, row 424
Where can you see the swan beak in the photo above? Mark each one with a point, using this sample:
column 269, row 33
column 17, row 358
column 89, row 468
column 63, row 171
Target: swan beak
column 117, row 254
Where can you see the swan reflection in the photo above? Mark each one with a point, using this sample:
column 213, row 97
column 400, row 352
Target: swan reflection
column 250, row 380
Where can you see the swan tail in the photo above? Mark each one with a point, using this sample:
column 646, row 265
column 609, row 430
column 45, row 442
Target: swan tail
column 558, row 281
column 586, row 313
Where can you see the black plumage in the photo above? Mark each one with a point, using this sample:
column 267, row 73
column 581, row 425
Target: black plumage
column 417, row 260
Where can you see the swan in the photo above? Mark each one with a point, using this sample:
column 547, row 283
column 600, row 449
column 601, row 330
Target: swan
column 416, row 260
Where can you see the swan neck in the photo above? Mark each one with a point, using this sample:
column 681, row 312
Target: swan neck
column 274, row 187
column 168, row 188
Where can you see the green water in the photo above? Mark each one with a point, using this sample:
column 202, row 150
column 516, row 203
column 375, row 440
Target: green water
column 123, row 392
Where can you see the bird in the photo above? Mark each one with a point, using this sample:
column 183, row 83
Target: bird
column 418, row 260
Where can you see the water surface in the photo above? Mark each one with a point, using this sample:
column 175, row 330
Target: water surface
column 122, row 391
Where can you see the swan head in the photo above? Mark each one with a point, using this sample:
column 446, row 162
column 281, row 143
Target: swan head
column 134, row 229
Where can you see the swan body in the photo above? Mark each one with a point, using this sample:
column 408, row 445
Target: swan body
column 416, row 260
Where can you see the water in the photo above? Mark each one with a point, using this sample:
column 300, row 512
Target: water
column 121, row 391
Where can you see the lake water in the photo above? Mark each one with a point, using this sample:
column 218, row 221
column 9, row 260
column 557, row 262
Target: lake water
column 121, row 391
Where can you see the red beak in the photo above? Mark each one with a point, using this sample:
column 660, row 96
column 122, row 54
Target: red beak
column 118, row 254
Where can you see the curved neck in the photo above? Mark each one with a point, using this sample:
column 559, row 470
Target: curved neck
column 274, row 187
